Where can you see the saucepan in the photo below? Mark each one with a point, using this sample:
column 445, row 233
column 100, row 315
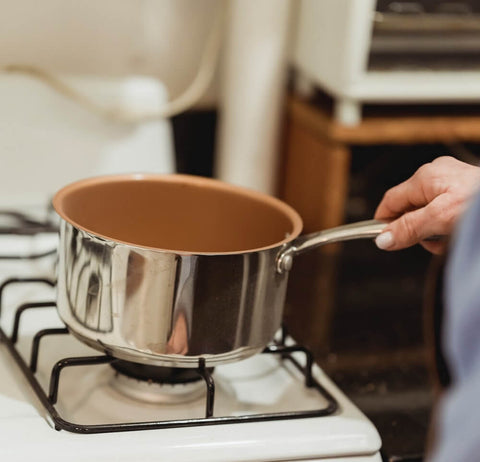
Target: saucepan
column 167, row 269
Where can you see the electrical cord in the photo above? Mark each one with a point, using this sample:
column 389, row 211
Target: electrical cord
column 181, row 103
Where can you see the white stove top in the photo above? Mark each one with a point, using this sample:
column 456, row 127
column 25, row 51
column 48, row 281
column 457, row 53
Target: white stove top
column 261, row 384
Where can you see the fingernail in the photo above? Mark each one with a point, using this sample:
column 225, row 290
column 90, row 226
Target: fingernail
column 385, row 240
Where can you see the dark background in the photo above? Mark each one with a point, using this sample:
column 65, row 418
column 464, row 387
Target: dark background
column 378, row 352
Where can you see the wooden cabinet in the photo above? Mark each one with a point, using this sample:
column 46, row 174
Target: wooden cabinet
column 315, row 177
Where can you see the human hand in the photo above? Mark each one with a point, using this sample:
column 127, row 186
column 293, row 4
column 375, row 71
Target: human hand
column 427, row 204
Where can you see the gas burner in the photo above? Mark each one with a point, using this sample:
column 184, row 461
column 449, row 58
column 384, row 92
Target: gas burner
column 161, row 385
column 141, row 378
column 281, row 403
column 18, row 223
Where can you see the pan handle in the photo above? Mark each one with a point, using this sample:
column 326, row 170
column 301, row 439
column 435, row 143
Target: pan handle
column 359, row 230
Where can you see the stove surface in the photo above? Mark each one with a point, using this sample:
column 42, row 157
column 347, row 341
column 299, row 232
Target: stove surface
column 258, row 385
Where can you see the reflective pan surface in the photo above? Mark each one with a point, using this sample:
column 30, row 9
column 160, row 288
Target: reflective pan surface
column 164, row 270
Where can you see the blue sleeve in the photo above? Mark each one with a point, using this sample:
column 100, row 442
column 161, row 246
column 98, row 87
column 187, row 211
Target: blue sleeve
column 458, row 418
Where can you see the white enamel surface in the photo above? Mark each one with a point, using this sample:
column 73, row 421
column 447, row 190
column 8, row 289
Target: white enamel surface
column 253, row 84
column 48, row 141
column 398, row 86
column 342, row 70
column 258, row 384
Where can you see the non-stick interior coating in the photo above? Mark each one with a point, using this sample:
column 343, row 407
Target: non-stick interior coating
column 177, row 213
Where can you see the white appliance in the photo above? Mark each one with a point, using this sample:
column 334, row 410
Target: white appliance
column 336, row 42
column 89, row 395
column 253, row 85
column 262, row 409
column 48, row 140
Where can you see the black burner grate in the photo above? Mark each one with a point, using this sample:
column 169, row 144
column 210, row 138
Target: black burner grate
column 59, row 423
column 20, row 224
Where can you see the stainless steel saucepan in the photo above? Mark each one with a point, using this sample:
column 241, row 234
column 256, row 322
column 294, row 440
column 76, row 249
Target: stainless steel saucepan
column 164, row 270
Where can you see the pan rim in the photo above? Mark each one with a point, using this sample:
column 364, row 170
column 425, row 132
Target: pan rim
column 58, row 203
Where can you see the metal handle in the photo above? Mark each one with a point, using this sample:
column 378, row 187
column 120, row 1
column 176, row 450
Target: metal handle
column 360, row 230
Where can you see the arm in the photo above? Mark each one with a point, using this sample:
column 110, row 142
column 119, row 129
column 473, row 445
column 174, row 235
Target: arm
column 427, row 204
column 457, row 424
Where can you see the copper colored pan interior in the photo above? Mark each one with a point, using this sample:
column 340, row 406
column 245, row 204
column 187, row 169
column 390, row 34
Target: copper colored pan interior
column 178, row 213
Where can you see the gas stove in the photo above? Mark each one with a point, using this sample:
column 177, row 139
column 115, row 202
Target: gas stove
column 61, row 399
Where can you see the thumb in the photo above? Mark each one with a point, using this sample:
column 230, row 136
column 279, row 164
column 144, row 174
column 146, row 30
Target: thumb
column 408, row 230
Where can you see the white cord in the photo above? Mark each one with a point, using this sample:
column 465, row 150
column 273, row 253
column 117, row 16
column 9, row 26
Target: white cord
column 181, row 103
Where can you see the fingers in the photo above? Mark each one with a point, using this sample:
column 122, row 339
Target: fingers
column 402, row 232
column 436, row 247
column 435, row 219
column 427, row 204
column 404, row 197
